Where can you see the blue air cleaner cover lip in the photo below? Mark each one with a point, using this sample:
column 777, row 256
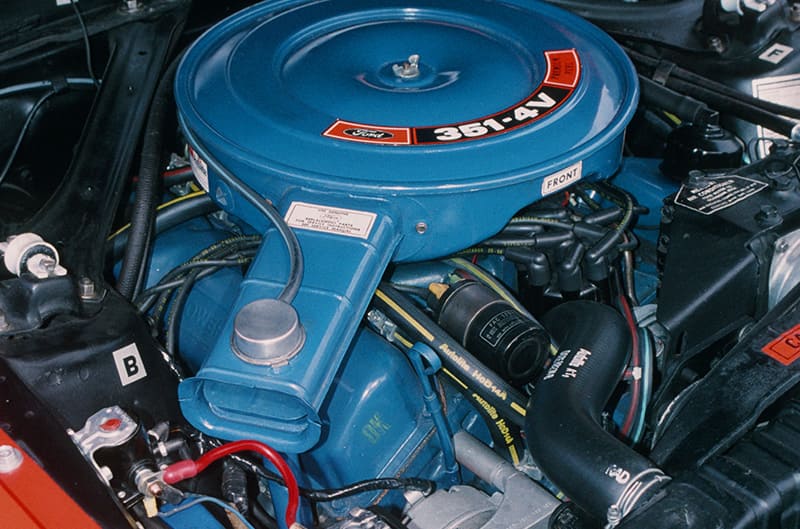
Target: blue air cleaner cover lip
column 498, row 102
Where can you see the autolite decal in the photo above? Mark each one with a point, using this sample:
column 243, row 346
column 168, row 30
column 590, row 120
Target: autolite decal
column 561, row 78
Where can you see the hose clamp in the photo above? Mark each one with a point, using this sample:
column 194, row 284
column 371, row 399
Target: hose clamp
column 635, row 490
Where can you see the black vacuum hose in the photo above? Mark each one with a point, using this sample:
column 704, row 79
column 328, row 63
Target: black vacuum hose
column 597, row 471
column 739, row 108
column 685, row 107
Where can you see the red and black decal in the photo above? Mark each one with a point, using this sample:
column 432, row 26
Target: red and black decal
column 560, row 81
column 785, row 348
column 346, row 130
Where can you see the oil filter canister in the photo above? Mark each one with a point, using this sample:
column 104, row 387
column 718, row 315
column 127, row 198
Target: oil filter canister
column 511, row 343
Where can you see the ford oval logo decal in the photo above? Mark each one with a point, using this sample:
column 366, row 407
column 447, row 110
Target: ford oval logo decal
column 369, row 133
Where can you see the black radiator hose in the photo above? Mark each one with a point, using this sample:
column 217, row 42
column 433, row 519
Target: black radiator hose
column 592, row 467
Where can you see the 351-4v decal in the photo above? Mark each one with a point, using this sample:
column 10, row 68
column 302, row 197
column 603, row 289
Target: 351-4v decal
column 560, row 80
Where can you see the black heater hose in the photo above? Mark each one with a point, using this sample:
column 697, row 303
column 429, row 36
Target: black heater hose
column 168, row 218
column 596, row 470
column 147, row 188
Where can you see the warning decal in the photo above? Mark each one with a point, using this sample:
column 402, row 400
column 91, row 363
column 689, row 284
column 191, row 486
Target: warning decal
column 560, row 80
column 786, row 347
column 326, row 219
column 563, row 68
column 714, row 194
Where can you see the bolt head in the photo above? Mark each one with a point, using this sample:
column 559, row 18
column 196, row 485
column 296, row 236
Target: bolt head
column 86, row 288
column 768, row 216
column 10, row 459
column 716, row 44
column 155, row 489
column 131, row 6
column 421, row 227
column 696, row 179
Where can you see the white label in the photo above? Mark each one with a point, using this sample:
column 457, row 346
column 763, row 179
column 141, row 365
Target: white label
column 340, row 221
column 718, row 193
column 776, row 53
column 580, row 358
column 199, row 168
column 619, row 474
column 564, row 178
column 130, row 367
column 64, row 2
column 557, row 363
column 784, row 90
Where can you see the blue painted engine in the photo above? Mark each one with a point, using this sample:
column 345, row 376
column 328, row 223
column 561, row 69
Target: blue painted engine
column 409, row 138
column 417, row 264
column 378, row 132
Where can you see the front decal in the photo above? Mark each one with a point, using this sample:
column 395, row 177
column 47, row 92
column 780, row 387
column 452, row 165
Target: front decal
column 560, row 80
column 561, row 179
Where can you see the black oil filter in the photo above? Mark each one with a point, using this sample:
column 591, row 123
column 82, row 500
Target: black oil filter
column 512, row 344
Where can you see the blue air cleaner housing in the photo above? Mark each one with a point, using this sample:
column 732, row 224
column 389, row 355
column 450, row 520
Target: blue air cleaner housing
column 393, row 130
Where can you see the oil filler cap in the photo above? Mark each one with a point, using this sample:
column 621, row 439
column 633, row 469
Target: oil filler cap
column 267, row 332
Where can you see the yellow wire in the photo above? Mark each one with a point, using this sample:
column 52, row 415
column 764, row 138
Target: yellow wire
column 159, row 208
column 406, row 343
column 672, row 117
column 485, row 278
column 425, row 333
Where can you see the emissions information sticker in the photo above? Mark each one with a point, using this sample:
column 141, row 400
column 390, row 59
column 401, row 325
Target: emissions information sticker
column 326, row 219
column 717, row 193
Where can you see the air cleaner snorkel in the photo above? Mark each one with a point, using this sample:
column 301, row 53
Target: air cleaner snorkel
column 301, row 103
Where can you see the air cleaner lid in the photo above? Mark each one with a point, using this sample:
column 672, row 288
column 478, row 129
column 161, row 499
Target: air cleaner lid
column 404, row 96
